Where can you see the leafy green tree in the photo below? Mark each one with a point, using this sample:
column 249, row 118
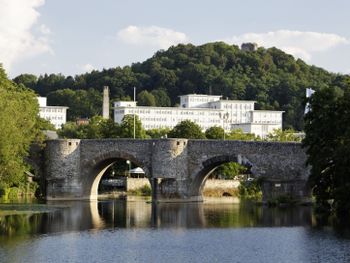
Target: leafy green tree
column 127, row 127
column 28, row 80
column 81, row 103
column 230, row 170
column 158, row 133
column 71, row 130
column 144, row 98
column 187, row 129
column 161, row 98
column 279, row 135
column 17, row 131
column 97, row 128
column 327, row 142
column 238, row 134
column 215, row 132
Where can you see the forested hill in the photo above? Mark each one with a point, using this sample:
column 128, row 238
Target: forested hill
column 269, row 76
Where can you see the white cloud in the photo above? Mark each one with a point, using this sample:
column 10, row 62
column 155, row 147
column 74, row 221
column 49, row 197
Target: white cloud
column 44, row 29
column 87, row 68
column 298, row 43
column 152, row 36
column 17, row 17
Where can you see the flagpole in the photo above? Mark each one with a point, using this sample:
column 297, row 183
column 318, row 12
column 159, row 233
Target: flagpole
column 134, row 113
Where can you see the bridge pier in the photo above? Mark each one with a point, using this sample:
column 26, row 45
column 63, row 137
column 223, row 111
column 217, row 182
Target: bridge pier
column 296, row 190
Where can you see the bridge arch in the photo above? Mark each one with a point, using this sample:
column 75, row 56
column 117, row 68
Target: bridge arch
column 202, row 172
column 94, row 168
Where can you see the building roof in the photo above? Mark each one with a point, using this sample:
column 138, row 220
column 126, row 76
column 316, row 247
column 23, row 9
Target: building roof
column 55, row 107
column 201, row 95
column 167, row 108
column 269, row 111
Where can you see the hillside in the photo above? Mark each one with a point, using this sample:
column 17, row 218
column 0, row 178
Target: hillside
column 274, row 79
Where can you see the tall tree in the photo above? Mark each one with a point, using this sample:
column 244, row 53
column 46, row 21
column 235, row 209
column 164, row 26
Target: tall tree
column 327, row 143
column 18, row 128
column 145, row 98
column 127, row 127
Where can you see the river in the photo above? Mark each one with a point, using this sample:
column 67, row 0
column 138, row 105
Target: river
column 137, row 231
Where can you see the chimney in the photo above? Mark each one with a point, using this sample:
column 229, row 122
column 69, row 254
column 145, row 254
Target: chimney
column 105, row 106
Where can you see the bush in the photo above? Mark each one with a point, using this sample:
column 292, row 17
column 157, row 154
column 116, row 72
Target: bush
column 14, row 193
column 142, row 191
column 4, row 190
column 250, row 190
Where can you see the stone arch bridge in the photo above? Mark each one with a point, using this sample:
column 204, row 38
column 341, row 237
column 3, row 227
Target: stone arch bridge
column 177, row 168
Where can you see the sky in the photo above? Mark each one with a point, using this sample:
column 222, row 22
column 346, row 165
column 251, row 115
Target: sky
column 77, row 36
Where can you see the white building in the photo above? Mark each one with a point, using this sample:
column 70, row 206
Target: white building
column 206, row 111
column 57, row 115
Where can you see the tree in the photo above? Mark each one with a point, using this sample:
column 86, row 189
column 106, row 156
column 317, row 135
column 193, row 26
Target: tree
column 127, row 127
column 215, row 132
column 230, row 170
column 327, row 143
column 161, row 98
column 187, row 129
column 71, row 130
column 238, row 134
column 97, row 128
column 279, row 135
column 81, row 103
column 18, row 128
column 144, row 98
column 158, row 133
column 28, row 80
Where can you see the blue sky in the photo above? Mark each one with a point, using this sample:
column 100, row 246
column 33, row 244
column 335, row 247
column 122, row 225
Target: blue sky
column 76, row 36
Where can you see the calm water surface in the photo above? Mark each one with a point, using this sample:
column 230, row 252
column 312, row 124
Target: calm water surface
column 136, row 231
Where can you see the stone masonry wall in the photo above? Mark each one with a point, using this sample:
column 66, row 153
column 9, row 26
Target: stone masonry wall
column 136, row 183
column 221, row 184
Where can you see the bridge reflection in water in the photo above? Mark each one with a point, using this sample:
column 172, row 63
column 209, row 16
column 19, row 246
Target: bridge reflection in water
column 111, row 214
column 97, row 215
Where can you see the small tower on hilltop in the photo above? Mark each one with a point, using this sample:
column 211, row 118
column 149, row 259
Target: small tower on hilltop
column 249, row 47
column 105, row 105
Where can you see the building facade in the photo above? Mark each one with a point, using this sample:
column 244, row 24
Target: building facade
column 57, row 115
column 205, row 110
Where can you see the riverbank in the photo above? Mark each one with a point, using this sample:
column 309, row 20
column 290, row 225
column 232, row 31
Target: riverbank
column 27, row 208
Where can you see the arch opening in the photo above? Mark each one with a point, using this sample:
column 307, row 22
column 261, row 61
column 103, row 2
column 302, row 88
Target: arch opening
column 117, row 175
column 223, row 176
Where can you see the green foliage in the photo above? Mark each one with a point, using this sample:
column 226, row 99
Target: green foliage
column 238, row 134
column 127, row 128
column 230, row 170
column 72, row 130
column 250, row 190
column 18, row 129
column 98, row 128
column 187, row 129
column 327, row 143
column 271, row 77
column 158, row 133
column 215, row 132
column 81, row 103
column 161, row 97
column 145, row 98
column 279, row 135
column 144, row 190
column 28, row 80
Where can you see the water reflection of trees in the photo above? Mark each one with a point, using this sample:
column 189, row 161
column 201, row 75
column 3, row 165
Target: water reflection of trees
column 80, row 216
